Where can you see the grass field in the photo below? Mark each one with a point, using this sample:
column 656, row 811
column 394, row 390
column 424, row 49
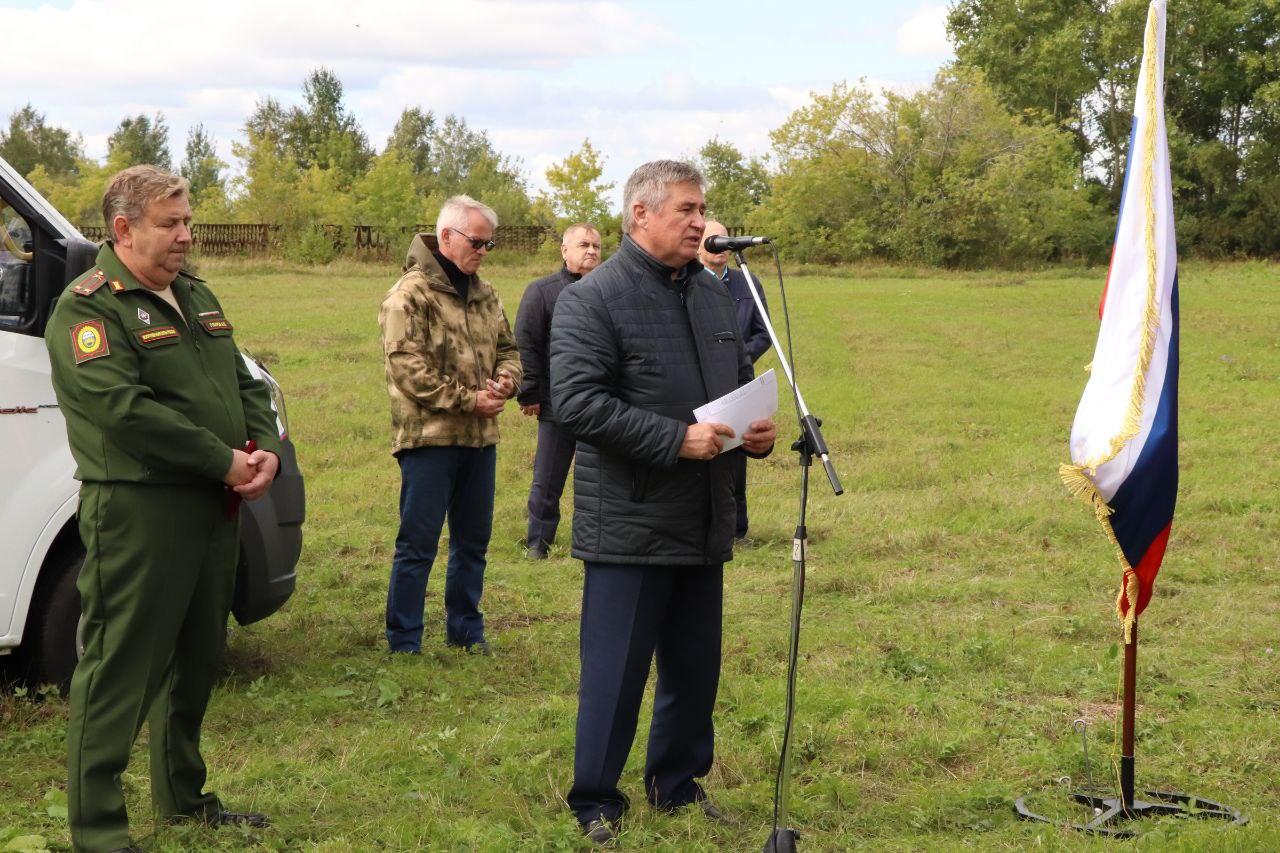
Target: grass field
column 959, row 614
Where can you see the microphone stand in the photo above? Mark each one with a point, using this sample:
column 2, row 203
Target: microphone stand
column 810, row 443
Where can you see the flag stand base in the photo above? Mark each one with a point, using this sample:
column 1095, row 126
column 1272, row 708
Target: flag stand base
column 1109, row 812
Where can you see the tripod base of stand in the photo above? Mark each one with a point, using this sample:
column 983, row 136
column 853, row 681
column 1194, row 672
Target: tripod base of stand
column 782, row 840
column 1110, row 811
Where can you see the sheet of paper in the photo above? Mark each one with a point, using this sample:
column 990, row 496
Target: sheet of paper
column 755, row 401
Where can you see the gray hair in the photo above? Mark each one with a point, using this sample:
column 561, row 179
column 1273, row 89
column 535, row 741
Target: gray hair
column 456, row 213
column 131, row 190
column 648, row 185
column 577, row 226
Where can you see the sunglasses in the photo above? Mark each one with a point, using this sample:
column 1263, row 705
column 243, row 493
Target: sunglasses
column 475, row 242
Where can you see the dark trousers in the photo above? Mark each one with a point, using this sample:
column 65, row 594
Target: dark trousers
column 155, row 590
column 435, row 483
column 551, row 464
column 740, row 497
column 628, row 614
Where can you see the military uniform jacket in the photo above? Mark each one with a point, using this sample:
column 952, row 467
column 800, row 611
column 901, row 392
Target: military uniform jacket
column 439, row 350
column 148, row 396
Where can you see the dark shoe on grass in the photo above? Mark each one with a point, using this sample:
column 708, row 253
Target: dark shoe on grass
column 712, row 812
column 226, row 818
column 535, row 553
column 479, row 647
column 600, row 832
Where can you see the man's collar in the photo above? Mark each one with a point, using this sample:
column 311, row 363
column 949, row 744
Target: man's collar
column 572, row 276
column 634, row 250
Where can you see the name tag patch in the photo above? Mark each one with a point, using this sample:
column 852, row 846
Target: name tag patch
column 215, row 325
column 158, row 336
column 89, row 341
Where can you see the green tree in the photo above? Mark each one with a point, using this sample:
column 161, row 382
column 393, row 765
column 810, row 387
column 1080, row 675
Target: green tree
column 577, row 193
column 385, row 195
column 30, row 142
column 77, row 195
column 736, row 186
column 139, row 140
column 202, row 167
column 411, row 139
column 264, row 191
column 1040, row 55
column 322, row 132
column 945, row 176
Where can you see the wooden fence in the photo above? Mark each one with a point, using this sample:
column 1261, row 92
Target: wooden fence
column 364, row 241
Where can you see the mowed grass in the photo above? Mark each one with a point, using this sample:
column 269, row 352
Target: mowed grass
column 959, row 612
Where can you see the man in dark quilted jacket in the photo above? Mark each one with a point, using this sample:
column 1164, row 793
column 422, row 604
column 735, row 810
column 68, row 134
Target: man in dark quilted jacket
column 634, row 350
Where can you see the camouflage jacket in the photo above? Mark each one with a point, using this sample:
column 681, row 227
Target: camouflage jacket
column 438, row 353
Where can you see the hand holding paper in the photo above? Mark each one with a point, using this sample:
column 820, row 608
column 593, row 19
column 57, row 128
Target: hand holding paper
column 742, row 407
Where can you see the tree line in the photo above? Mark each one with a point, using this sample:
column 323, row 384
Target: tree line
column 1012, row 156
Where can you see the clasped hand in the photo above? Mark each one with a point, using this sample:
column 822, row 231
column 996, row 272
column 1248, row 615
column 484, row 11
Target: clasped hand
column 251, row 474
column 491, row 399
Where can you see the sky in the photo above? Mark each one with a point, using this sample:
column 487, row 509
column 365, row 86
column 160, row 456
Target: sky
column 641, row 80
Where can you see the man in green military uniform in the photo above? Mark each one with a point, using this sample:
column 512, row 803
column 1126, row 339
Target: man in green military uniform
column 169, row 431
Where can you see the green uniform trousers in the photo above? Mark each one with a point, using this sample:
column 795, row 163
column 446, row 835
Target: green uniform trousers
column 156, row 588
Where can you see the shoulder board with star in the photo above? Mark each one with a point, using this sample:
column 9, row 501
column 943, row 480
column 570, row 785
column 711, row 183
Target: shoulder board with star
column 90, row 284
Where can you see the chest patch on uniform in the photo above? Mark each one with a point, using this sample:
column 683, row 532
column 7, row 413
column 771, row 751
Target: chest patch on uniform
column 157, row 336
column 144, row 316
column 89, row 341
column 216, row 325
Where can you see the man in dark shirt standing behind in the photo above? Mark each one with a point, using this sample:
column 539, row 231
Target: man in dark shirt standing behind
column 580, row 249
column 755, row 337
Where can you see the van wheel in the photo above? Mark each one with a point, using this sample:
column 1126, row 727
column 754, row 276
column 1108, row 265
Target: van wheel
column 50, row 644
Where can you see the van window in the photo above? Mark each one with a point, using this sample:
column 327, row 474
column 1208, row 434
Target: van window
column 15, row 267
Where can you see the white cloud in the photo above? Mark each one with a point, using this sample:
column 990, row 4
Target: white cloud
column 925, row 32
column 539, row 76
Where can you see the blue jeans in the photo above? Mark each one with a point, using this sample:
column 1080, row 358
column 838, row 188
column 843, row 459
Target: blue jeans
column 436, row 482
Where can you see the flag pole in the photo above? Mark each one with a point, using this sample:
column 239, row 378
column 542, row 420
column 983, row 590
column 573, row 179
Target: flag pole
column 1107, row 812
column 1130, row 707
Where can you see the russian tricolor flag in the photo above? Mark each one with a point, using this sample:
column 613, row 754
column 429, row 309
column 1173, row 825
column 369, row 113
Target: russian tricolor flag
column 1124, row 442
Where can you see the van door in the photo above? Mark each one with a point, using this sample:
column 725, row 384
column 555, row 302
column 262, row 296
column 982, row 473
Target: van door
column 36, row 468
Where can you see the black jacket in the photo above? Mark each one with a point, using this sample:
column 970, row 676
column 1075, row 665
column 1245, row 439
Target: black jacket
column 533, row 336
column 633, row 353
column 755, row 337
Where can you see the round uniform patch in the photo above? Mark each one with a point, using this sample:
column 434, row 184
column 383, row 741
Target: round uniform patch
column 89, row 340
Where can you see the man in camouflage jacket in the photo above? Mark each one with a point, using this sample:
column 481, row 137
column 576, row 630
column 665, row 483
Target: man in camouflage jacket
column 451, row 364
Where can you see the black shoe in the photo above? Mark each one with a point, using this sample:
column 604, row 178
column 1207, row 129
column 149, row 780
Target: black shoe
column 600, row 832
column 712, row 812
column 479, row 647
column 535, row 553
column 226, row 818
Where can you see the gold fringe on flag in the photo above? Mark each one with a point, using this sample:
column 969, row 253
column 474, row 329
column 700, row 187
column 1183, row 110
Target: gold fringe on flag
column 1077, row 477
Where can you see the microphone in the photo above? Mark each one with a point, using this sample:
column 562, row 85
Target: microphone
column 715, row 245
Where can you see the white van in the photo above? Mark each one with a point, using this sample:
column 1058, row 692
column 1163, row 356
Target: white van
column 40, row 549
